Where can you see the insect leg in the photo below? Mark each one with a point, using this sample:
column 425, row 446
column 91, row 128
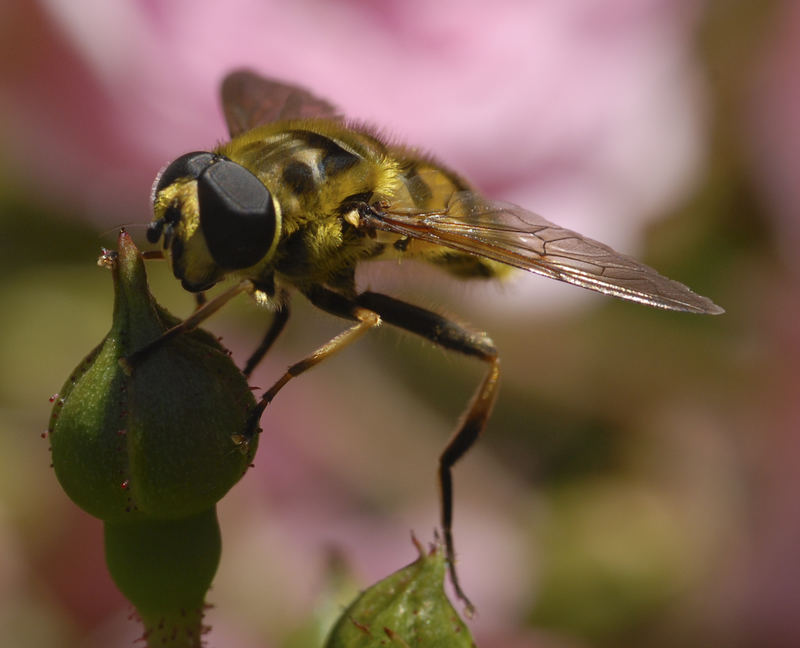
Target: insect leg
column 368, row 310
column 365, row 320
column 276, row 326
column 193, row 321
column 448, row 335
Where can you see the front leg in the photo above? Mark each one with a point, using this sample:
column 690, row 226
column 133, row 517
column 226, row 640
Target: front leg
column 335, row 304
column 201, row 313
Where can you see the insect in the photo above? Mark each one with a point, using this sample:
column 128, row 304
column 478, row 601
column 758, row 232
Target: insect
column 299, row 197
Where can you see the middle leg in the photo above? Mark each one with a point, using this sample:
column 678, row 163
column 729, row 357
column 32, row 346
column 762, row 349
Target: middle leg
column 337, row 305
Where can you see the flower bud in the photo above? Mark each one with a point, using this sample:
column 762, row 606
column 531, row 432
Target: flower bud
column 164, row 441
column 407, row 608
column 151, row 449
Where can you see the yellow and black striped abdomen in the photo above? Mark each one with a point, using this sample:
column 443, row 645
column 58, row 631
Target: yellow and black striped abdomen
column 427, row 186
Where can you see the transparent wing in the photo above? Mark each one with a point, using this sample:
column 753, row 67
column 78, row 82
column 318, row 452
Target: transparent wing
column 250, row 100
column 512, row 235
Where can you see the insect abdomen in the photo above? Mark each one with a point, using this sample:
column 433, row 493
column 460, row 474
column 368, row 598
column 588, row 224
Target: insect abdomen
column 428, row 186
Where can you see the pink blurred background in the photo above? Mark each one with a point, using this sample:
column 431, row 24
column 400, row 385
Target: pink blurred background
column 637, row 484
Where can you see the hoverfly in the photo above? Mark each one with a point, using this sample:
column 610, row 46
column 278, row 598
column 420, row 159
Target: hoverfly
column 299, row 197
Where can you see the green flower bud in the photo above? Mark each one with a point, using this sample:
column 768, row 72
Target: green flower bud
column 407, row 608
column 164, row 441
column 151, row 450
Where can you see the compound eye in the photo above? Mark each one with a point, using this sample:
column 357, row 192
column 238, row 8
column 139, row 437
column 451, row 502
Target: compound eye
column 189, row 165
column 236, row 214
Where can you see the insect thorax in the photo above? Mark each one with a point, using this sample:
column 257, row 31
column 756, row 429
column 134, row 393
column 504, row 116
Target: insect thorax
column 318, row 171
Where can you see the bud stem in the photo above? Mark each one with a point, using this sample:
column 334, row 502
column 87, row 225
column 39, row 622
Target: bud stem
column 165, row 567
